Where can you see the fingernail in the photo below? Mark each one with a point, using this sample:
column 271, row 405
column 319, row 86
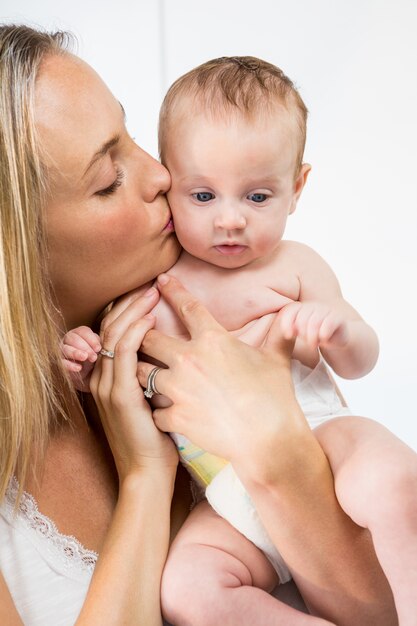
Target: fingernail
column 163, row 279
column 151, row 292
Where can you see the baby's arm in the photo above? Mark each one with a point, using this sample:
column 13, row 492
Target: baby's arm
column 80, row 347
column 324, row 319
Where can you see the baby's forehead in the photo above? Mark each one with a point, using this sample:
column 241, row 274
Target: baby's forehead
column 263, row 116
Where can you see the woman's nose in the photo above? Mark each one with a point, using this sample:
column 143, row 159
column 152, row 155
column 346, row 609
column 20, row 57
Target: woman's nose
column 230, row 219
column 156, row 178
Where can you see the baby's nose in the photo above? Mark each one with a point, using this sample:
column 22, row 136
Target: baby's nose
column 230, row 220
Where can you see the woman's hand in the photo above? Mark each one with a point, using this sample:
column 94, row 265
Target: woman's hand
column 229, row 398
column 126, row 416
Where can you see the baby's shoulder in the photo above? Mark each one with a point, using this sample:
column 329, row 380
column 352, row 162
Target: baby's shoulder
column 294, row 251
column 291, row 257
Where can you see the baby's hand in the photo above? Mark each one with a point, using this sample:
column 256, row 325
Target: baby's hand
column 80, row 347
column 316, row 323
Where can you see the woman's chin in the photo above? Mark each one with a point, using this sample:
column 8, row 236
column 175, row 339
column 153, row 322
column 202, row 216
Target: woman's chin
column 170, row 254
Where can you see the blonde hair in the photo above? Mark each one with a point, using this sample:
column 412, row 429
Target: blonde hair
column 32, row 380
column 247, row 84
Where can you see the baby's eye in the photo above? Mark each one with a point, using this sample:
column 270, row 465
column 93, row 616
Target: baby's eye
column 257, row 197
column 203, row 196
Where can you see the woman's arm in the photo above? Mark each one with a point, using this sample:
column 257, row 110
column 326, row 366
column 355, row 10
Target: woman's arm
column 125, row 587
column 239, row 403
column 332, row 560
column 8, row 612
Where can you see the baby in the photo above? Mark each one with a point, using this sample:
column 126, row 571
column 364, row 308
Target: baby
column 232, row 134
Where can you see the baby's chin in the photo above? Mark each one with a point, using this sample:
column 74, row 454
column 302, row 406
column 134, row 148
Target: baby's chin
column 231, row 257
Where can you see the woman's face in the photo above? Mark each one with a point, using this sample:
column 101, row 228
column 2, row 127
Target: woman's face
column 107, row 217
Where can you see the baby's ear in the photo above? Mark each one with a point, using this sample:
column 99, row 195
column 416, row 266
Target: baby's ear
column 299, row 183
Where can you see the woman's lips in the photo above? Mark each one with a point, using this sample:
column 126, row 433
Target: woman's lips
column 170, row 225
column 230, row 250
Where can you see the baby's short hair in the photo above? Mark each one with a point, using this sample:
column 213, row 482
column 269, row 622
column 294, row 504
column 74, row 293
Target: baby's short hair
column 246, row 83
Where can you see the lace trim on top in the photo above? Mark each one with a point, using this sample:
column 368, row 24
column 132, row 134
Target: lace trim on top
column 67, row 549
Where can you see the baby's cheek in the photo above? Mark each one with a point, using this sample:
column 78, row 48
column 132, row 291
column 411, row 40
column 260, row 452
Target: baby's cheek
column 190, row 238
column 268, row 242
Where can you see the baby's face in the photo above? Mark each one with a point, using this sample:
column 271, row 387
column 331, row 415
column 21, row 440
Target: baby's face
column 233, row 184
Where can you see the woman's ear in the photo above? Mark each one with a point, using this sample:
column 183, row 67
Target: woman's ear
column 299, row 183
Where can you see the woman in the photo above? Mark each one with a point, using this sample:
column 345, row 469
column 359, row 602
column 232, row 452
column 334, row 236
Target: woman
column 84, row 219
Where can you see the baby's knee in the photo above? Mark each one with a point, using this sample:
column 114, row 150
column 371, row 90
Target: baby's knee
column 193, row 582
column 378, row 474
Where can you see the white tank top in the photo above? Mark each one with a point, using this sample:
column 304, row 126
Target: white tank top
column 47, row 573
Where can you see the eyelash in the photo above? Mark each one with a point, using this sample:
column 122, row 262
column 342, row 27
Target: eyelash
column 115, row 185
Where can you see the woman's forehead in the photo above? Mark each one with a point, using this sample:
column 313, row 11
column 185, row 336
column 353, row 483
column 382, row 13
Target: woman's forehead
column 75, row 113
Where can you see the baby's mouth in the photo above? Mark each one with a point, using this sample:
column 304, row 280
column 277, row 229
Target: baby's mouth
column 230, row 249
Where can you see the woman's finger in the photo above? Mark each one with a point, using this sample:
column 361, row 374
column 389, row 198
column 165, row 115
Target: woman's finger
column 119, row 319
column 112, row 333
column 160, row 382
column 164, row 420
column 122, row 303
column 125, row 358
column 191, row 312
column 162, row 347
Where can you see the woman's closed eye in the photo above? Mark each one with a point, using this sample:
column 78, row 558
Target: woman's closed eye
column 112, row 188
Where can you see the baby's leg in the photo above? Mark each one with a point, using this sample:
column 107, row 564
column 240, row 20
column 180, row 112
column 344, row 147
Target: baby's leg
column 214, row 575
column 376, row 484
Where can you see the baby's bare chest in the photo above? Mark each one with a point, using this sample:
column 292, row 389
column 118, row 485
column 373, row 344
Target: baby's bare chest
column 236, row 298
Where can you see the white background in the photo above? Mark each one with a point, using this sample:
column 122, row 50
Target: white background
column 355, row 63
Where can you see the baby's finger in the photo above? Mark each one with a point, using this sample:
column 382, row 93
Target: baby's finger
column 301, row 321
column 191, row 312
column 287, row 316
column 313, row 329
column 74, row 339
column 334, row 331
column 71, row 366
column 89, row 336
column 75, row 354
column 279, row 340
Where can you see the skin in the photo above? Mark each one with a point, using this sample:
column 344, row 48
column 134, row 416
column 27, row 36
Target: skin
column 108, row 503
column 235, row 181
column 122, row 237
column 215, row 200
column 111, row 506
column 284, row 430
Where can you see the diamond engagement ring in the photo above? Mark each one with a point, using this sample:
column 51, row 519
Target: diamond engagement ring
column 108, row 353
column 150, row 385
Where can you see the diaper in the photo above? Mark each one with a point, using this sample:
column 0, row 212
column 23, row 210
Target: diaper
column 318, row 398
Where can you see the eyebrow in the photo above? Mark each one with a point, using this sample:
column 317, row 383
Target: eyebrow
column 105, row 147
column 102, row 152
